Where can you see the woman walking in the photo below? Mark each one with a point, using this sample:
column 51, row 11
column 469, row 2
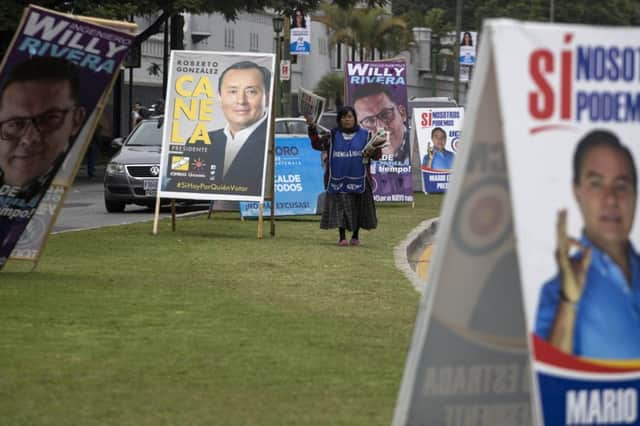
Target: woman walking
column 349, row 204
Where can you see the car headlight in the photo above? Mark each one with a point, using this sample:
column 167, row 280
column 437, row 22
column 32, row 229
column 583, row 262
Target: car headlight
column 115, row 168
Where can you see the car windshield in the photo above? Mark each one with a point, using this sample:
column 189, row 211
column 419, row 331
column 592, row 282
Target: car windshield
column 291, row 127
column 148, row 133
column 328, row 120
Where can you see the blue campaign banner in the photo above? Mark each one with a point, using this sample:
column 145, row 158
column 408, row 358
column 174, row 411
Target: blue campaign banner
column 434, row 180
column 595, row 401
column 298, row 179
column 300, row 41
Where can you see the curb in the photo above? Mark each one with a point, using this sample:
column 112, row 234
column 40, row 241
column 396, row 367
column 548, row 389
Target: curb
column 407, row 254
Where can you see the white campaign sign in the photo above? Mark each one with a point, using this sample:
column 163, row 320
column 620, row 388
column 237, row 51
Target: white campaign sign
column 310, row 104
column 438, row 132
column 551, row 142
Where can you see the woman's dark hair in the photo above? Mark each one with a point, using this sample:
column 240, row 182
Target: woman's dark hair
column 343, row 111
column 294, row 24
column 464, row 36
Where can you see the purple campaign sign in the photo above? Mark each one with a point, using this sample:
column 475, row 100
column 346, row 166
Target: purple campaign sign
column 378, row 93
column 56, row 70
column 96, row 50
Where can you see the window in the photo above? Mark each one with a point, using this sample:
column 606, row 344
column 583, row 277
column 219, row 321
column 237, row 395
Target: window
column 253, row 42
column 322, row 46
column 229, row 38
column 338, row 62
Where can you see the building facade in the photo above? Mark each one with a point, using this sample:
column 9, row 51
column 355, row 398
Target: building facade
column 253, row 32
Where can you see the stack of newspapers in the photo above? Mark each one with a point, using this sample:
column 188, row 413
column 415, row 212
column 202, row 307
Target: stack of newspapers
column 378, row 140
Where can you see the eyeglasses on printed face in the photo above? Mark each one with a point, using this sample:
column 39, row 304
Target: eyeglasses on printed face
column 48, row 122
column 385, row 116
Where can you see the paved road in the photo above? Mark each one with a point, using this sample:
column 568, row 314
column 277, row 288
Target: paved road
column 84, row 207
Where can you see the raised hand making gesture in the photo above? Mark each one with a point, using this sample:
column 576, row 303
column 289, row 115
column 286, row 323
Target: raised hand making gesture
column 572, row 271
column 589, row 308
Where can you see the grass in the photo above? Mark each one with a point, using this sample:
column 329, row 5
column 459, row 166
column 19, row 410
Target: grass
column 208, row 325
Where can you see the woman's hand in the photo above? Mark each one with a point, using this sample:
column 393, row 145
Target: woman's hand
column 309, row 120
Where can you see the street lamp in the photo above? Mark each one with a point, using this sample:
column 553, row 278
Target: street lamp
column 435, row 49
column 278, row 24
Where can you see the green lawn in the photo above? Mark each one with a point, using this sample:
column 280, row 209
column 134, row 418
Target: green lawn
column 208, row 325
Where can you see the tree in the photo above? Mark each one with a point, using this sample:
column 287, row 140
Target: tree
column 154, row 69
column 602, row 12
column 339, row 21
column 535, row 10
column 415, row 11
column 374, row 29
column 435, row 19
column 330, row 85
column 162, row 9
column 367, row 29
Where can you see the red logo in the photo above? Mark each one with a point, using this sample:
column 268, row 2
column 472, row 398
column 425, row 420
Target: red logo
column 426, row 119
column 545, row 103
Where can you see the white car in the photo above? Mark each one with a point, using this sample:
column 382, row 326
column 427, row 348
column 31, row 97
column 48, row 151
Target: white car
column 294, row 126
column 328, row 119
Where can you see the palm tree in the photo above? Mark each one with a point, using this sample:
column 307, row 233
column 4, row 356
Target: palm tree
column 339, row 21
column 331, row 85
column 374, row 29
column 366, row 30
column 154, row 69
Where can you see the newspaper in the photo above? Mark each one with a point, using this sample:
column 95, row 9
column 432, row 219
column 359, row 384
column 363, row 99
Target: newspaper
column 378, row 140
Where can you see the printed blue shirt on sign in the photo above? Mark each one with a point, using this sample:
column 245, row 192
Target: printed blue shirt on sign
column 607, row 321
column 441, row 160
column 300, row 47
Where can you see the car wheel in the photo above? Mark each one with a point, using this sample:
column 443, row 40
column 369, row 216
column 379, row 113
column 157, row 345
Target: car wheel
column 114, row 206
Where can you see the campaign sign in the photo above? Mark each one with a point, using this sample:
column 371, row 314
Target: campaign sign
column 548, row 170
column 576, row 106
column 298, row 180
column 285, row 70
column 54, row 77
column 300, row 38
column 310, row 104
column 468, row 41
column 465, row 71
column 214, row 145
column 438, row 133
column 34, row 237
column 468, row 362
column 378, row 93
